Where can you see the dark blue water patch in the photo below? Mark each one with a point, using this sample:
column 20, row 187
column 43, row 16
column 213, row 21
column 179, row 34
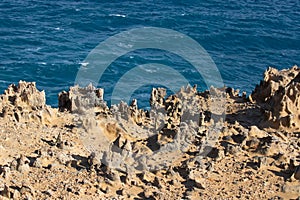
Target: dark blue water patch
column 125, row 63
column 46, row 41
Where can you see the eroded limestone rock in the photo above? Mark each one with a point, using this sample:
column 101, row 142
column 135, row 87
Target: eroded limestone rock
column 158, row 97
column 25, row 103
column 166, row 153
column 24, row 95
column 79, row 99
column 279, row 96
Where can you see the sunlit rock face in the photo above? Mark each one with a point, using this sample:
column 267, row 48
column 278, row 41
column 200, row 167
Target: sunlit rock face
column 278, row 95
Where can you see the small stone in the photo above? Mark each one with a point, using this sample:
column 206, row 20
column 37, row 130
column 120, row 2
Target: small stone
column 257, row 133
column 37, row 163
column 199, row 180
column 200, row 183
column 23, row 164
column 16, row 194
column 261, row 161
column 79, row 99
column 2, row 185
column 253, row 143
column 92, row 159
column 147, row 194
column 63, row 158
column 232, row 149
column 148, row 177
column 291, row 189
column 5, row 192
column 13, row 165
column 157, row 96
column 6, row 171
column 59, row 142
column 220, row 155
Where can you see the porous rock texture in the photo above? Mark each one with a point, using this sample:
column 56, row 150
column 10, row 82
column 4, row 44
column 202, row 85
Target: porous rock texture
column 24, row 103
column 278, row 94
column 214, row 144
column 79, row 99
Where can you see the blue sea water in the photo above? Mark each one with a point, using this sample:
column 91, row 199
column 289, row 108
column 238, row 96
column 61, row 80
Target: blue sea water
column 46, row 41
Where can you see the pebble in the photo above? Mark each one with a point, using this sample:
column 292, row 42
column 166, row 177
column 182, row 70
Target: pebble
column 23, row 164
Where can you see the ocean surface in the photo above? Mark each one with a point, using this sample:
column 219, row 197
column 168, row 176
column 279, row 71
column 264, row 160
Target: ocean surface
column 47, row 41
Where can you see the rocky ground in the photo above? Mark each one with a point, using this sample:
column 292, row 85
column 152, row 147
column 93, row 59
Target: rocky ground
column 217, row 144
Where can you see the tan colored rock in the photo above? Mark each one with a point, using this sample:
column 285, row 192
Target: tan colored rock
column 5, row 192
column 173, row 108
column 38, row 163
column 137, row 115
column 24, row 95
column 23, row 164
column 157, row 96
column 27, row 192
column 279, row 95
column 25, row 103
column 198, row 178
column 256, row 132
column 79, row 99
column 147, row 155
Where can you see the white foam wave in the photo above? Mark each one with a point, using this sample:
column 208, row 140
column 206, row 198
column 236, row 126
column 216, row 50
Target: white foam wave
column 117, row 15
column 84, row 64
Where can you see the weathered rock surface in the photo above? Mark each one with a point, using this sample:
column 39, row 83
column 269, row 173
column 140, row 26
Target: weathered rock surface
column 25, row 103
column 24, row 95
column 278, row 94
column 79, row 99
column 183, row 148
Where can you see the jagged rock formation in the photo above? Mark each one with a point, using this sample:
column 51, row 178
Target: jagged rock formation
column 147, row 137
column 173, row 106
column 279, row 96
column 79, row 99
column 183, row 147
column 25, row 95
column 158, row 97
column 24, row 103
